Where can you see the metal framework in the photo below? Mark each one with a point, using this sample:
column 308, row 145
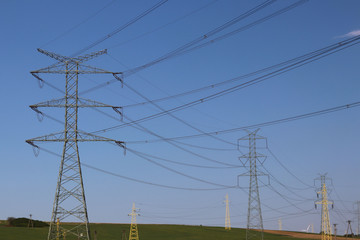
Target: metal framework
column 254, row 228
column 349, row 231
column 324, row 202
column 227, row 214
column 280, row 224
column 134, row 234
column 358, row 217
column 70, row 204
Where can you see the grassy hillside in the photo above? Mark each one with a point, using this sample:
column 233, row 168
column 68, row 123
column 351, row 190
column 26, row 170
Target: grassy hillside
column 146, row 232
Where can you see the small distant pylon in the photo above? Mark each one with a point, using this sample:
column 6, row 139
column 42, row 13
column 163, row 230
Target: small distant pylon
column 123, row 235
column 31, row 222
column 358, row 218
column 349, row 233
column 280, row 224
column 227, row 214
column 312, row 228
column 134, row 235
column 325, row 219
column 335, row 231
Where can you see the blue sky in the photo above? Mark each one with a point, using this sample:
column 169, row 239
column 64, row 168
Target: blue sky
column 324, row 144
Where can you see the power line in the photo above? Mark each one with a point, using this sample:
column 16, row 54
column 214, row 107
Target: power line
column 178, row 172
column 79, row 24
column 258, row 125
column 117, row 30
column 165, row 25
column 249, row 83
column 201, row 38
column 286, row 169
column 134, row 179
column 187, row 45
column 283, row 10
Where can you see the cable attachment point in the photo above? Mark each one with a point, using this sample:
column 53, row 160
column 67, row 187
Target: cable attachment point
column 41, row 81
column 119, row 110
column 122, row 144
column 119, row 78
column 39, row 114
column 36, row 148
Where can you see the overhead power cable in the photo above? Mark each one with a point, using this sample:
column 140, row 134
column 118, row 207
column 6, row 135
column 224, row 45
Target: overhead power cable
column 117, row 30
column 302, row 198
column 178, row 172
column 134, row 179
column 79, row 24
column 165, row 25
column 252, row 74
column 201, row 38
column 177, row 118
column 179, row 163
column 286, row 169
column 185, row 46
column 142, row 128
column 283, row 10
column 322, row 54
column 258, row 125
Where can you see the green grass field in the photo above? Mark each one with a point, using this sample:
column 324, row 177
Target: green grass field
column 146, row 232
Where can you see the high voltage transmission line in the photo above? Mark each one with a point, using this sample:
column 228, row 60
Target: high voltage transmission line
column 117, row 30
column 190, row 45
column 290, row 66
column 77, row 25
column 69, row 204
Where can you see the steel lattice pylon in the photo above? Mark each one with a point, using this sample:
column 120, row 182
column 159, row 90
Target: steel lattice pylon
column 134, row 234
column 227, row 214
column 70, row 204
column 325, row 219
column 254, row 228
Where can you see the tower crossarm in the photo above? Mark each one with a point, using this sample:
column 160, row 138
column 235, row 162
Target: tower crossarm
column 82, row 103
column 61, row 69
column 61, row 102
column 81, row 137
column 55, row 56
column 78, row 59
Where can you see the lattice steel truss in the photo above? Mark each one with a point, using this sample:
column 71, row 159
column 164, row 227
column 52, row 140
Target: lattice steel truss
column 134, row 234
column 254, row 228
column 69, row 204
column 227, row 214
column 324, row 202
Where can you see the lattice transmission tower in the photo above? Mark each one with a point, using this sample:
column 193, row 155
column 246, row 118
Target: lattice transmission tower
column 69, row 204
column 358, row 217
column 280, row 224
column 227, row 213
column 324, row 202
column 349, row 231
column 134, row 234
column 255, row 227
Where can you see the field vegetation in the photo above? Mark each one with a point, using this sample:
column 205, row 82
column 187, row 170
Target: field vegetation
column 146, row 232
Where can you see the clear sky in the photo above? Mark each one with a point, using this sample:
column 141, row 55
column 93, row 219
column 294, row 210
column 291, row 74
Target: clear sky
column 324, row 144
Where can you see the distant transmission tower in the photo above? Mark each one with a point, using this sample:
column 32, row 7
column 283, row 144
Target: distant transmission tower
column 227, row 214
column 31, row 222
column 123, row 235
column 134, row 235
column 69, row 204
column 254, row 228
column 325, row 219
column 358, row 217
column 280, row 224
column 349, row 231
